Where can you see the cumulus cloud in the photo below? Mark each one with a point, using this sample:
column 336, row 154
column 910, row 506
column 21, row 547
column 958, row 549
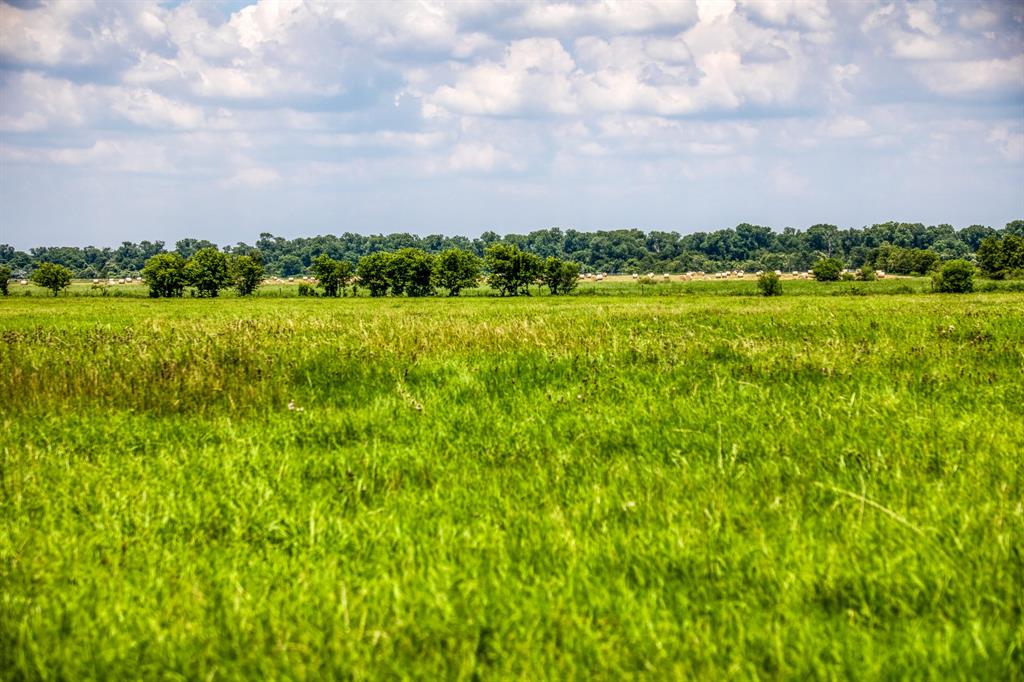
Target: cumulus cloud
column 987, row 76
column 533, row 76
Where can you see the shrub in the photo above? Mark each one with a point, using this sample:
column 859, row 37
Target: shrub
column 165, row 276
column 247, row 273
column 331, row 274
column 51, row 276
column 847, row 276
column 769, row 283
column 307, row 290
column 208, row 271
column 955, row 277
column 866, row 273
column 827, row 269
column 5, row 280
column 560, row 276
column 456, row 270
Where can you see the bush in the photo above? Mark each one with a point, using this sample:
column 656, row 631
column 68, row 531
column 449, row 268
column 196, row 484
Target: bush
column 769, row 284
column 331, row 274
column 165, row 276
column 456, row 270
column 208, row 271
column 306, row 290
column 955, row 277
column 827, row 269
column 5, row 280
column 247, row 273
column 847, row 276
column 560, row 276
column 51, row 276
column 866, row 273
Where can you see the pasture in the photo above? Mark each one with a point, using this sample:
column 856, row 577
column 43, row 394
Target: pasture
column 686, row 481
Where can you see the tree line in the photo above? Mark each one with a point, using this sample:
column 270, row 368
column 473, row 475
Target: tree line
column 900, row 248
column 409, row 271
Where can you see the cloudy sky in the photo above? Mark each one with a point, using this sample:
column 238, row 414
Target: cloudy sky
column 159, row 120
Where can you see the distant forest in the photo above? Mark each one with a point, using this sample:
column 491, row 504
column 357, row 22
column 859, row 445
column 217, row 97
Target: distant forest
column 891, row 246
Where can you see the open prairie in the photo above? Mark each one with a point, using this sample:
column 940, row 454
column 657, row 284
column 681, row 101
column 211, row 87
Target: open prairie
column 700, row 484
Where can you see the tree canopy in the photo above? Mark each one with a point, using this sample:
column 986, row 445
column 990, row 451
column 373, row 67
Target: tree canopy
column 890, row 246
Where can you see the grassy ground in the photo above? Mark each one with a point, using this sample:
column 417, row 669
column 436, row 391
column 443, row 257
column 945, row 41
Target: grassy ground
column 704, row 486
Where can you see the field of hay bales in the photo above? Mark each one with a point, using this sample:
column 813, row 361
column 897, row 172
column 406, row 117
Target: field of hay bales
column 683, row 480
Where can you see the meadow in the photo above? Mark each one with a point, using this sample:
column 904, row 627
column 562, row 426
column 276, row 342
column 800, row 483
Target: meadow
column 686, row 481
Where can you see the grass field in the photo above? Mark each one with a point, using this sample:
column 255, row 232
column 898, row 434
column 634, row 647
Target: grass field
column 704, row 485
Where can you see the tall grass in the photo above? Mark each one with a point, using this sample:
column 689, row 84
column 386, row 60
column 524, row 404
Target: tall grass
column 699, row 486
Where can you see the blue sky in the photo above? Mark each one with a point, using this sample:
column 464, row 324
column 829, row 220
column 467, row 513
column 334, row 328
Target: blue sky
column 154, row 120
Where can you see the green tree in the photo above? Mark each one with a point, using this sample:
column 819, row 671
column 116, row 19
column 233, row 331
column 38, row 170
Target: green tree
column 208, row 271
column 990, row 258
column 331, row 274
column 1013, row 254
column 186, row 248
column 165, row 276
column 906, row 261
column 769, row 283
column 5, row 280
column 560, row 276
column 247, row 272
column 455, row 270
column 373, row 271
column 290, row 265
column 51, row 276
column 512, row 271
column 955, row 277
column 411, row 271
column 827, row 269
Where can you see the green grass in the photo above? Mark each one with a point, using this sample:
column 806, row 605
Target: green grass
column 704, row 485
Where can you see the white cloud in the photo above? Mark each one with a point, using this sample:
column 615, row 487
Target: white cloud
column 131, row 156
column 34, row 101
column 987, row 76
column 147, row 108
column 811, row 14
column 473, row 157
column 978, row 20
column 532, row 77
column 921, row 16
column 910, row 46
column 606, row 16
column 1009, row 141
column 713, row 10
column 846, row 126
column 253, row 177
column 383, row 138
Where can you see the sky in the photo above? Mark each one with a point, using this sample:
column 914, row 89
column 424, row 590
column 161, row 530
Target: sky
column 163, row 120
